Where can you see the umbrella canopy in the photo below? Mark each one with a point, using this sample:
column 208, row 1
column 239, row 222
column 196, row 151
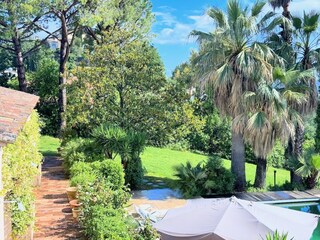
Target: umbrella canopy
column 233, row 219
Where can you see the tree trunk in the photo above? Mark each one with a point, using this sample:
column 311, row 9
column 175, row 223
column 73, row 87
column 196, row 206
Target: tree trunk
column 62, row 86
column 261, row 173
column 297, row 152
column 238, row 161
column 298, row 141
column 63, row 58
column 286, row 33
column 20, row 64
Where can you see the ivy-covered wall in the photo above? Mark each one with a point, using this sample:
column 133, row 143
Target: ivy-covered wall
column 20, row 167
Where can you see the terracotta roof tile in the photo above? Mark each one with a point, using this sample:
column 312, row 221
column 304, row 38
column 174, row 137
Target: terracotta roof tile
column 15, row 109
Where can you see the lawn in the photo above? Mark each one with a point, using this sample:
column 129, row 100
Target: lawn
column 49, row 145
column 159, row 162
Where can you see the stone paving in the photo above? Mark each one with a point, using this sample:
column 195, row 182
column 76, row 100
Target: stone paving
column 54, row 219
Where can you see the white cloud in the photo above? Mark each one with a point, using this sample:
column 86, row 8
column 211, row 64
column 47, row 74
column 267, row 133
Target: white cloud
column 172, row 31
column 169, row 30
column 297, row 7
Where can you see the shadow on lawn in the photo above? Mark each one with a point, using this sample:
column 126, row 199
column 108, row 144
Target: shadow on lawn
column 152, row 182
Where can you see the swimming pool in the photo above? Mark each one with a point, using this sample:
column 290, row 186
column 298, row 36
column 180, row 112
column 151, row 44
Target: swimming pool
column 310, row 207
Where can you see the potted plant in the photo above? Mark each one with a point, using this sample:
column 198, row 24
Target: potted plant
column 74, row 203
column 72, row 193
column 75, row 213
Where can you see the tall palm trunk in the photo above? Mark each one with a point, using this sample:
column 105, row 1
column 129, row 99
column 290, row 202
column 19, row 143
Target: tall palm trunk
column 261, row 173
column 286, row 33
column 238, row 161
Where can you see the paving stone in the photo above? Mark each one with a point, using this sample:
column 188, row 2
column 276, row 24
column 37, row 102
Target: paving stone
column 54, row 219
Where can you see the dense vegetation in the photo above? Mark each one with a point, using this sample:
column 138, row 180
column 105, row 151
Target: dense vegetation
column 20, row 169
column 248, row 94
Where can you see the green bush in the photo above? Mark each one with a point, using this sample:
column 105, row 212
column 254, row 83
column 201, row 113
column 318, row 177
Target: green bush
column 204, row 179
column 134, row 173
column 113, row 140
column 191, row 179
column 112, row 171
column 43, row 83
column 219, row 179
column 277, row 157
column 79, row 150
column 102, row 223
column 85, row 173
column 20, row 167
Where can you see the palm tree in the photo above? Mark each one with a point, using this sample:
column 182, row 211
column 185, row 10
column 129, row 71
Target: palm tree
column 286, row 31
column 273, row 115
column 302, row 54
column 231, row 61
column 307, row 58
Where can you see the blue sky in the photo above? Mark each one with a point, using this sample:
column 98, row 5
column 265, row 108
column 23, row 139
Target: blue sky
column 175, row 19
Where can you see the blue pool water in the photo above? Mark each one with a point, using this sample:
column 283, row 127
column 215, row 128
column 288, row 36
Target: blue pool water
column 310, row 207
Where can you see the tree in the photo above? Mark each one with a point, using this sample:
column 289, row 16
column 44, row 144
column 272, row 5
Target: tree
column 306, row 58
column 133, row 15
column 233, row 62
column 273, row 115
column 124, row 85
column 44, row 83
column 72, row 15
column 19, row 21
column 286, row 31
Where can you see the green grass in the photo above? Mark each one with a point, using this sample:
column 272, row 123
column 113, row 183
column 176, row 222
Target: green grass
column 159, row 163
column 49, row 146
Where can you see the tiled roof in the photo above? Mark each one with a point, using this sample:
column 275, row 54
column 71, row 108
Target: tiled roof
column 15, row 109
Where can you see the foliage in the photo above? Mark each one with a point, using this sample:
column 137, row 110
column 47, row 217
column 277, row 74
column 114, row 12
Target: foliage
column 317, row 134
column 44, row 83
column 125, row 86
column 110, row 138
column 210, row 178
column 277, row 157
column 219, row 179
column 109, row 170
column 147, row 232
column 103, row 223
column 215, row 136
column 103, row 195
column 113, row 140
column 277, row 236
column 190, row 179
column 20, row 166
column 79, row 150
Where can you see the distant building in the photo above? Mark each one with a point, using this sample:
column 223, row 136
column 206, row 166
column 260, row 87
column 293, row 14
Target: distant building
column 53, row 43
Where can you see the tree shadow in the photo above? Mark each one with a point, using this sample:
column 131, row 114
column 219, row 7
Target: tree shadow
column 152, row 182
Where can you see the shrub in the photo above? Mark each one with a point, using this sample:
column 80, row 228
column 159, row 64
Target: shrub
column 102, row 192
column 112, row 171
column 190, row 179
column 219, row 179
column 277, row 236
column 79, row 150
column 20, row 166
column 43, row 83
column 85, row 173
column 134, row 173
column 103, row 223
column 203, row 179
column 277, row 157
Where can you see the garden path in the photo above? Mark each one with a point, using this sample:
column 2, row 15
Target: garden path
column 53, row 214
